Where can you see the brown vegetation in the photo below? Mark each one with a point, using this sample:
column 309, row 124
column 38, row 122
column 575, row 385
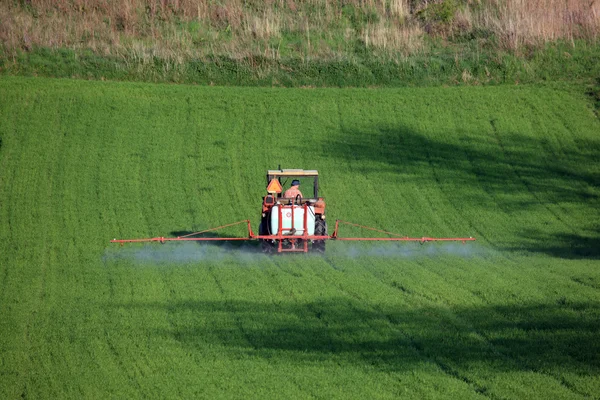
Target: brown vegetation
column 530, row 22
column 181, row 29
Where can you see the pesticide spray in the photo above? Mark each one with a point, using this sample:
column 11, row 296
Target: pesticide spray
column 186, row 253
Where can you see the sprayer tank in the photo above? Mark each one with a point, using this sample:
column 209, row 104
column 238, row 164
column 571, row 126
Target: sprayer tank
column 297, row 223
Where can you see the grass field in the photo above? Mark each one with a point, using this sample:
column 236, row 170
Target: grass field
column 514, row 315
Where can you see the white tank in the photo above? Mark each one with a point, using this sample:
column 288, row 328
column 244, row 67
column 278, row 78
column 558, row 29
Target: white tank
column 286, row 220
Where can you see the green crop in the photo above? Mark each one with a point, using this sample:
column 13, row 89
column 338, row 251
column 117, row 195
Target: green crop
column 513, row 315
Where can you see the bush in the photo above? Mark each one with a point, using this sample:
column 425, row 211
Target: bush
column 437, row 17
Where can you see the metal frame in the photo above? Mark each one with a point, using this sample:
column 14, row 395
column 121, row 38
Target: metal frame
column 295, row 173
column 280, row 237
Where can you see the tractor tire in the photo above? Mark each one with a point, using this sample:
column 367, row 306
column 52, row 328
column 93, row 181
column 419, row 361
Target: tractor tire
column 320, row 230
column 266, row 246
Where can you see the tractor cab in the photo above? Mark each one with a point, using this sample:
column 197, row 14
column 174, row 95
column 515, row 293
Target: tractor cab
column 309, row 182
column 297, row 218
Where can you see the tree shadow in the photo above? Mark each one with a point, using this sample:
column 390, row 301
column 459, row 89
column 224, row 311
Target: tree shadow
column 563, row 245
column 510, row 163
column 544, row 337
column 510, row 172
column 249, row 246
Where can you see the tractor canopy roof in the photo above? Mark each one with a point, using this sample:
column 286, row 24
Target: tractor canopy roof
column 306, row 176
column 292, row 172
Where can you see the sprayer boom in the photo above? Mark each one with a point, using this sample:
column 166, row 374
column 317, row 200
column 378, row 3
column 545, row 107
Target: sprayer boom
column 300, row 242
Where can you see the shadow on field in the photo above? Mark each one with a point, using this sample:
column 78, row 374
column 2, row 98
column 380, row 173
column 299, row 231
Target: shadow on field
column 249, row 246
column 564, row 245
column 548, row 337
column 511, row 163
column 508, row 172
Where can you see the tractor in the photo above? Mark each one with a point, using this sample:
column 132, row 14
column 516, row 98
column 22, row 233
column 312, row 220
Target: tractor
column 296, row 223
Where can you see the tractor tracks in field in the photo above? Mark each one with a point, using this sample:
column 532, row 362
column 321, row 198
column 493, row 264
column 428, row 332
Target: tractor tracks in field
column 485, row 344
column 412, row 341
column 500, row 316
column 581, row 282
column 449, row 199
column 497, row 352
column 231, row 309
column 563, row 146
column 478, row 233
column 5, row 275
column 256, row 349
column 523, row 181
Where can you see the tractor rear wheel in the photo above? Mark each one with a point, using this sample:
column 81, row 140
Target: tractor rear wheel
column 266, row 245
column 320, row 230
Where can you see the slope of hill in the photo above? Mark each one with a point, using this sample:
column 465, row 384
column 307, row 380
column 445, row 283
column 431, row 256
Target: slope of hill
column 333, row 43
column 514, row 315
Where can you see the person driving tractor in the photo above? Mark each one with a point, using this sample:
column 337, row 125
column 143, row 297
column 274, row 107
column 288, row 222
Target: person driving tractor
column 293, row 191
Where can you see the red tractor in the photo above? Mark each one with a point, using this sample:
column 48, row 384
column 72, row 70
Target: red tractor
column 292, row 223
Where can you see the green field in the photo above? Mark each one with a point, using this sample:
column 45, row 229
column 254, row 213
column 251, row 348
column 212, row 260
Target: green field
column 515, row 314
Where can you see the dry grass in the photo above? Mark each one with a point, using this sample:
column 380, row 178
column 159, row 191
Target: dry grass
column 405, row 38
column 239, row 28
column 520, row 23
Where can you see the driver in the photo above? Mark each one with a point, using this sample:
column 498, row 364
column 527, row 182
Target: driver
column 293, row 191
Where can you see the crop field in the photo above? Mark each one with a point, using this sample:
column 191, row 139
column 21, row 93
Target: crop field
column 515, row 314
